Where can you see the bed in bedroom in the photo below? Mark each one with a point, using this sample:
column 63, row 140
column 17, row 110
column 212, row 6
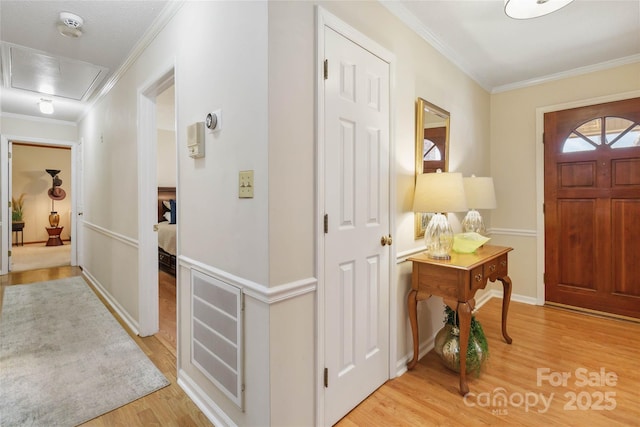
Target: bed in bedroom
column 167, row 229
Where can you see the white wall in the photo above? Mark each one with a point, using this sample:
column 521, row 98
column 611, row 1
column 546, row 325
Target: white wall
column 220, row 63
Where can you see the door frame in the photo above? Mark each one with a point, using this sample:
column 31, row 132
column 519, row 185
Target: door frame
column 326, row 19
column 7, row 234
column 148, row 293
column 540, row 112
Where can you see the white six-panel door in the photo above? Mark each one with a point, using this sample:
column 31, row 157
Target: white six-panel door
column 356, row 267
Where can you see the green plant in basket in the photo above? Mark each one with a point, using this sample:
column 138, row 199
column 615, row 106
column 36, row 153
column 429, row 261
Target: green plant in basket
column 447, row 344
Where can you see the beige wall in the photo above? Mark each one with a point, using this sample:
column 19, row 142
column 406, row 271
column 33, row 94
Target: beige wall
column 420, row 71
column 30, row 178
column 166, row 158
column 516, row 163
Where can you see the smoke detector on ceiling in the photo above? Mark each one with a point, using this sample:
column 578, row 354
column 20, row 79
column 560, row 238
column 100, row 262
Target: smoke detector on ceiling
column 71, row 25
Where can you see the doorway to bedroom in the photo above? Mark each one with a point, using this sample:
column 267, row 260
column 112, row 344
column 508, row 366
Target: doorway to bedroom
column 167, row 219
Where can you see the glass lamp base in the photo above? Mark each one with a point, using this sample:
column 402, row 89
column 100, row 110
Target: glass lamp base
column 472, row 222
column 438, row 237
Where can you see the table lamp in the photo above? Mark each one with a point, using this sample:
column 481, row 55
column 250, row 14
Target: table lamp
column 480, row 195
column 439, row 192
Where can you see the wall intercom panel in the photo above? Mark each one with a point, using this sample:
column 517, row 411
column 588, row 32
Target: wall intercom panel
column 195, row 140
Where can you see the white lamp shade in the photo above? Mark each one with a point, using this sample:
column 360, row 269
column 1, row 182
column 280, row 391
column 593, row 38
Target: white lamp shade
column 480, row 192
column 439, row 192
column 526, row 9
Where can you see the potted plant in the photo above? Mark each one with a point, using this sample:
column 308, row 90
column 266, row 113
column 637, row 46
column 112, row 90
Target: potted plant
column 16, row 208
column 447, row 344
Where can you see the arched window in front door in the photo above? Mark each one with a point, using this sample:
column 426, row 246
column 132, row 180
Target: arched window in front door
column 612, row 132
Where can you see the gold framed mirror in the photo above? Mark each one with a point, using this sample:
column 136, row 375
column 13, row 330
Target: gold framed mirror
column 432, row 148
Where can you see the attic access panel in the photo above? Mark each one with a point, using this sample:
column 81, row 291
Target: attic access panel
column 38, row 72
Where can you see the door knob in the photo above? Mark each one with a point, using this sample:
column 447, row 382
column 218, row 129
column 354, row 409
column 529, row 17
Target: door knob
column 386, row 240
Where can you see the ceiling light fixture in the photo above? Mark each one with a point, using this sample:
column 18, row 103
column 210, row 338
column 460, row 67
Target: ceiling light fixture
column 46, row 106
column 71, row 25
column 526, row 9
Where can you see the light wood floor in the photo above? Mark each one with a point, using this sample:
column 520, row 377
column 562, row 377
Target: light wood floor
column 167, row 295
column 543, row 337
column 169, row 406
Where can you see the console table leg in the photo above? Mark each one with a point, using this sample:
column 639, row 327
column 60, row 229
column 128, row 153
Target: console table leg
column 412, row 303
column 464, row 316
column 506, row 298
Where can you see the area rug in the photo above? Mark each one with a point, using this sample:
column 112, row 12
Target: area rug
column 64, row 359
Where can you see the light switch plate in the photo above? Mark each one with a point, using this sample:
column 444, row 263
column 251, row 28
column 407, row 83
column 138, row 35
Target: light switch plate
column 245, row 189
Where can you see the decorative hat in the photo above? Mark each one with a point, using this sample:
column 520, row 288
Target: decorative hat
column 56, row 193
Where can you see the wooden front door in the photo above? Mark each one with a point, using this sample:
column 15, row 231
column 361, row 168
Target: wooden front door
column 592, row 207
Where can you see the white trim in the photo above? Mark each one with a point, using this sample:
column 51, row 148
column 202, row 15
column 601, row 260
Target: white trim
column 568, row 74
column 4, row 202
column 326, row 19
column 498, row 293
column 258, row 291
column 424, row 347
column 402, row 256
column 540, row 111
column 116, row 236
column 513, row 232
column 154, row 29
column 411, row 21
column 39, row 119
column 202, row 400
column 147, row 149
column 113, row 303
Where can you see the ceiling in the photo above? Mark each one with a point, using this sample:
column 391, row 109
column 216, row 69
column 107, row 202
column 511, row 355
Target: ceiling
column 498, row 52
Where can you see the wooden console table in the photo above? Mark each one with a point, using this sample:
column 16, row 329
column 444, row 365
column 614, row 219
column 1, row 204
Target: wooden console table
column 456, row 281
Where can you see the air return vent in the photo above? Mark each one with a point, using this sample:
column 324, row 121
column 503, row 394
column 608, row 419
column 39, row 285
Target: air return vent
column 217, row 339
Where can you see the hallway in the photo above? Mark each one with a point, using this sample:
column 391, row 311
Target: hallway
column 169, row 406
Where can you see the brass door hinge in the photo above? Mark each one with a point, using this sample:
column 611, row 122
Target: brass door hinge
column 326, row 223
column 326, row 377
column 9, row 253
column 326, row 69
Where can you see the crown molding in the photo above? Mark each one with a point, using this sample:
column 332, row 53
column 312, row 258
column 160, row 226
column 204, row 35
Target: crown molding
column 411, row 21
column 567, row 74
column 158, row 25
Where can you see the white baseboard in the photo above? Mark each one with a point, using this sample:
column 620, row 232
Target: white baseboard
column 425, row 347
column 124, row 315
column 203, row 401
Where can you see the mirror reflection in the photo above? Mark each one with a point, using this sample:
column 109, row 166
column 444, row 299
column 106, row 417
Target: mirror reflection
column 432, row 147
